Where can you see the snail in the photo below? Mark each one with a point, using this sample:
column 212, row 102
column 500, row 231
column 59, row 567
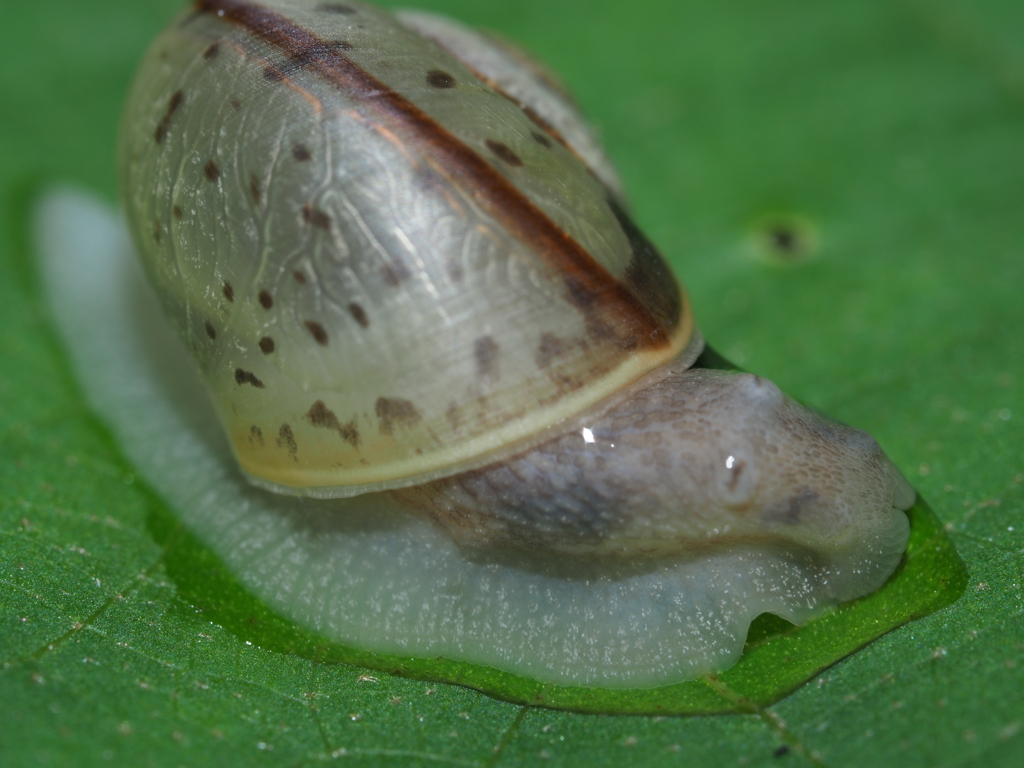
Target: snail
column 405, row 271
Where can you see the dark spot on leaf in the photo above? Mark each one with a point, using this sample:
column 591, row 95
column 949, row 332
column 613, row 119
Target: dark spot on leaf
column 212, row 51
column 315, row 216
column 266, row 300
column 394, row 411
column 255, row 435
column 781, row 751
column 254, row 188
column 300, row 277
column 440, row 79
column 336, row 8
column 317, row 331
column 177, row 212
column 172, row 106
column 358, row 314
column 321, row 416
column 211, row 170
column 541, row 139
column 266, row 345
column 286, row 439
column 210, row 330
column 785, row 238
column 503, row 152
column 485, row 351
column 229, row 292
column 300, row 153
column 243, row 376
column 550, row 347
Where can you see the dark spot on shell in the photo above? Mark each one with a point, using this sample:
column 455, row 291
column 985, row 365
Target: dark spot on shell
column 272, row 73
column 394, row 411
column 315, row 216
column 438, row 78
column 322, row 416
column 243, row 376
column 229, row 292
column 300, row 153
column 339, row 45
column 578, row 295
column 317, row 331
column 157, row 231
column 255, row 435
column 300, row 277
column 172, row 106
column 235, row 104
column 394, row 273
column 211, row 170
column 502, row 152
column 781, row 751
column 286, row 439
column 485, row 351
column 212, row 51
column 454, row 270
column 266, row 300
column 550, row 347
column 210, row 330
column 177, row 212
column 541, row 139
column 254, row 188
column 358, row 314
column 346, row 10
column 266, row 345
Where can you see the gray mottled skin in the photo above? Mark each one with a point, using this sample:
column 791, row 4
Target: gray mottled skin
column 697, row 461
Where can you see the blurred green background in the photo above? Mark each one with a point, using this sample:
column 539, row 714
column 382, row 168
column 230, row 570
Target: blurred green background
column 841, row 187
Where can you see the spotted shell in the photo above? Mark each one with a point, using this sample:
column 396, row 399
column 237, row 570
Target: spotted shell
column 393, row 247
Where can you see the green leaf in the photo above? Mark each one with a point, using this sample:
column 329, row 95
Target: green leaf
column 888, row 130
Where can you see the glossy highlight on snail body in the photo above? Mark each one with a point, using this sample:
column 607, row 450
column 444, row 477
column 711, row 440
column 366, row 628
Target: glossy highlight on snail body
column 406, row 273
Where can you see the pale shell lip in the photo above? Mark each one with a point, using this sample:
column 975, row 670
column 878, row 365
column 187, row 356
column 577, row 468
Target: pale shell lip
column 684, row 359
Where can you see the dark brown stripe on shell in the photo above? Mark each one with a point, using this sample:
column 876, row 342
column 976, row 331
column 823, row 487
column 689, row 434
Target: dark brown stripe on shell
column 634, row 326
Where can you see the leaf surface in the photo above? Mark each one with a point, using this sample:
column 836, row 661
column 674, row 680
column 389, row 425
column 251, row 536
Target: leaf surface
column 884, row 135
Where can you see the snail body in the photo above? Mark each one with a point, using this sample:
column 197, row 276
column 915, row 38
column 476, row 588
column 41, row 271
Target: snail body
column 405, row 270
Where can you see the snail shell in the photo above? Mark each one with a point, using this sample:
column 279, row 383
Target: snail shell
column 386, row 267
column 404, row 268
